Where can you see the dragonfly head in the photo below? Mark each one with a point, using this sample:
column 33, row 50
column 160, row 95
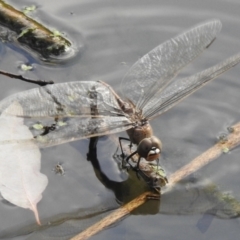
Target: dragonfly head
column 150, row 148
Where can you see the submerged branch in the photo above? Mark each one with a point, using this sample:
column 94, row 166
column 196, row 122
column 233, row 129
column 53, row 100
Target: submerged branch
column 31, row 33
column 197, row 163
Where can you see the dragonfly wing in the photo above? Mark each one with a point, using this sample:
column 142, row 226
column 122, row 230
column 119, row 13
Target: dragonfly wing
column 180, row 89
column 72, row 129
column 150, row 74
column 69, row 111
column 66, row 99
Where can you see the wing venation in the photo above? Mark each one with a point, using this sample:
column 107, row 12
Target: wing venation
column 154, row 71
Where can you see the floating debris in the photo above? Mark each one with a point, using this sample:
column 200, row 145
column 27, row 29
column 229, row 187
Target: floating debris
column 56, row 33
column 25, row 67
column 223, row 138
column 225, row 149
column 58, row 169
column 38, row 126
column 61, row 123
column 230, row 129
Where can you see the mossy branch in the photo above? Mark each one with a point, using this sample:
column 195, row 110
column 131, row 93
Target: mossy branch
column 32, row 34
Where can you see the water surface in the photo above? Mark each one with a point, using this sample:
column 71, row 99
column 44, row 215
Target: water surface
column 111, row 36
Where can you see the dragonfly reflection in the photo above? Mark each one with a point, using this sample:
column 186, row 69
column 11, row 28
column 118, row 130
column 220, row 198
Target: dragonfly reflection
column 69, row 111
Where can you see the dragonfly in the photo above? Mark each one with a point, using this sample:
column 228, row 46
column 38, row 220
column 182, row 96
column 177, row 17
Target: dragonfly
column 69, row 111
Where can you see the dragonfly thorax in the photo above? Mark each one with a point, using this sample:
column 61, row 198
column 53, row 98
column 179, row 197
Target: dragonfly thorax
column 150, row 148
column 139, row 132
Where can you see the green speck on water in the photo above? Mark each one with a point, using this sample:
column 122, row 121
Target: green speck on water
column 61, row 123
column 25, row 67
column 71, row 98
column 38, row 126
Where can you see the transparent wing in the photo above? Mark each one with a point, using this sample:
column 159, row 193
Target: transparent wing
column 66, row 99
column 180, row 89
column 150, row 74
column 68, row 111
column 72, row 129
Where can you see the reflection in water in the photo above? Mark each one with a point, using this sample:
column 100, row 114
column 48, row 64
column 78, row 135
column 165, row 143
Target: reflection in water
column 205, row 221
column 206, row 199
column 119, row 31
column 124, row 191
column 8, row 37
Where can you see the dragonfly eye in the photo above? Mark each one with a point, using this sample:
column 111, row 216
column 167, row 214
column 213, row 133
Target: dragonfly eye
column 144, row 147
column 156, row 143
column 150, row 148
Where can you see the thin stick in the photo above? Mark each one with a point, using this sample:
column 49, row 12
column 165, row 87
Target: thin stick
column 212, row 153
column 20, row 77
column 113, row 217
column 197, row 163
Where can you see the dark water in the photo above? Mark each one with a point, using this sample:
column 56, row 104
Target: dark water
column 111, row 36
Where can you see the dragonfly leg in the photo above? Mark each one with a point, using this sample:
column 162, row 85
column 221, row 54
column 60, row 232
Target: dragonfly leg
column 137, row 168
column 128, row 157
column 120, row 143
column 138, row 162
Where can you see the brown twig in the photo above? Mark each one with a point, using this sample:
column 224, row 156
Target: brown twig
column 20, row 77
column 112, row 218
column 197, row 163
column 212, row 153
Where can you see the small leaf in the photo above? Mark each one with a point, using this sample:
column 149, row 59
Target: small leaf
column 21, row 182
